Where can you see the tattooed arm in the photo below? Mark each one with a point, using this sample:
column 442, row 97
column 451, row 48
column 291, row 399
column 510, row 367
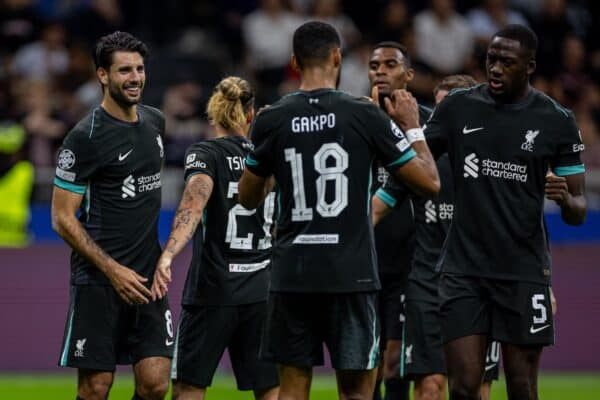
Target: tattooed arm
column 128, row 284
column 189, row 213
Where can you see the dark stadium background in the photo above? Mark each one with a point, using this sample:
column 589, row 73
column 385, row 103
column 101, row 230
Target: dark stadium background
column 193, row 45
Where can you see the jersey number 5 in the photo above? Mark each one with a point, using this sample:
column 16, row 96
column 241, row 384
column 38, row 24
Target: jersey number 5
column 334, row 173
column 245, row 243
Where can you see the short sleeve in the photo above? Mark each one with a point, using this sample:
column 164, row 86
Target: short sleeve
column 260, row 159
column 567, row 159
column 436, row 128
column 77, row 161
column 392, row 192
column 391, row 146
column 200, row 159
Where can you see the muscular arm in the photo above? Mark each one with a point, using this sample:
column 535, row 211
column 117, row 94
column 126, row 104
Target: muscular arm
column 252, row 189
column 127, row 283
column 379, row 210
column 198, row 189
column 568, row 193
column 420, row 173
column 64, row 208
column 189, row 213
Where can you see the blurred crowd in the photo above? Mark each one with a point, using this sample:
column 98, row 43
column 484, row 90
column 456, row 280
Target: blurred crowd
column 47, row 77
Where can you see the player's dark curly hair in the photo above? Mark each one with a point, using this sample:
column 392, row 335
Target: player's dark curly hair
column 398, row 46
column 522, row 34
column 117, row 41
column 313, row 42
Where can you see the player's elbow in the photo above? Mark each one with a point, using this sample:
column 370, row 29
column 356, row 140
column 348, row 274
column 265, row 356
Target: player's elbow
column 431, row 187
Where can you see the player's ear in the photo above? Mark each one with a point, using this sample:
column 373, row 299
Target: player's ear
column 102, row 75
column 250, row 116
column 337, row 57
column 295, row 65
column 531, row 67
column 410, row 74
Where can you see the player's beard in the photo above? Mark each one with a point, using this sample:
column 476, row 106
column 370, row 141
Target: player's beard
column 339, row 77
column 118, row 94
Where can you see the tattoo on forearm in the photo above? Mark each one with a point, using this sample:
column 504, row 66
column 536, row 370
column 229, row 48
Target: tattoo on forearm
column 189, row 214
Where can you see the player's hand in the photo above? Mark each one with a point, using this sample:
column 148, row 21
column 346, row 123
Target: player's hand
column 553, row 302
column 375, row 94
column 129, row 285
column 556, row 188
column 403, row 109
column 162, row 278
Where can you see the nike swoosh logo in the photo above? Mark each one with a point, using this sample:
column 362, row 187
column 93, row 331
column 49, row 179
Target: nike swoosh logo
column 488, row 367
column 467, row 131
column 533, row 330
column 124, row 156
column 169, row 342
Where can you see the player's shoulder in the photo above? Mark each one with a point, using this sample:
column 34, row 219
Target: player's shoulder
column 150, row 111
column 87, row 127
column 551, row 106
column 476, row 93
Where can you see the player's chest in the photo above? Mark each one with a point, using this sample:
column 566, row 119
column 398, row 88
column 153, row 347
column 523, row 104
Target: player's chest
column 504, row 137
column 134, row 152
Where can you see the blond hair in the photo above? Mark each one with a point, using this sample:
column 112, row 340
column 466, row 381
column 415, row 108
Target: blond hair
column 232, row 98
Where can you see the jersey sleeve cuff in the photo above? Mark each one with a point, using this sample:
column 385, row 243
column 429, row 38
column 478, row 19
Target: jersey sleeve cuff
column 387, row 198
column 569, row 170
column 71, row 187
column 406, row 157
column 188, row 175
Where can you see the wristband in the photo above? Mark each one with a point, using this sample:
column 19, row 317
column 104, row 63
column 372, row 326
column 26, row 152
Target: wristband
column 415, row 135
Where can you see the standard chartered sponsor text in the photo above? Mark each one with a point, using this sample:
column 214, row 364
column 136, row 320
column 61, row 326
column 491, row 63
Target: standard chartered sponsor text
column 148, row 183
column 504, row 170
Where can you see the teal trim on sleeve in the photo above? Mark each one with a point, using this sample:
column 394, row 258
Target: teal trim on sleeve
column 251, row 161
column 71, row 187
column 386, row 197
column 404, row 158
column 570, row 170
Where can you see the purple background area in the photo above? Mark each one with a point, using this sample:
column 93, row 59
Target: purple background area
column 34, row 302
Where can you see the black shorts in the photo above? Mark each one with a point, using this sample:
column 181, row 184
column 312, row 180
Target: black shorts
column 422, row 351
column 298, row 324
column 103, row 331
column 512, row 312
column 391, row 307
column 205, row 332
column 422, row 348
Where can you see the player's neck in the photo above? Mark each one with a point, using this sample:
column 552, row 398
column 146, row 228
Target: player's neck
column 222, row 132
column 127, row 114
column 317, row 78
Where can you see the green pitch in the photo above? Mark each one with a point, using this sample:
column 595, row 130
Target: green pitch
column 51, row 387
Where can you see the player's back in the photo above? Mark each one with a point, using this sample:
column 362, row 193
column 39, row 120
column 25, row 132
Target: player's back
column 233, row 245
column 320, row 146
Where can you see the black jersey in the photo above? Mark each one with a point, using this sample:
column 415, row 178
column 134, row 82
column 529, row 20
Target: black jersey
column 231, row 252
column 394, row 234
column 500, row 155
column 432, row 218
column 116, row 166
column 321, row 146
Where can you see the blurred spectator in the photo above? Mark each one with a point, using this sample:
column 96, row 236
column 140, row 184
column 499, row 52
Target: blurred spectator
column 42, row 120
column 353, row 77
column 443, row 38
column 551, row 27
column 268, row 33
column 18, row 24
column 43, row 59
column 394, row 22
column 329, row 11
column 185, row 123
column 490, row 18
column 91, row 20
